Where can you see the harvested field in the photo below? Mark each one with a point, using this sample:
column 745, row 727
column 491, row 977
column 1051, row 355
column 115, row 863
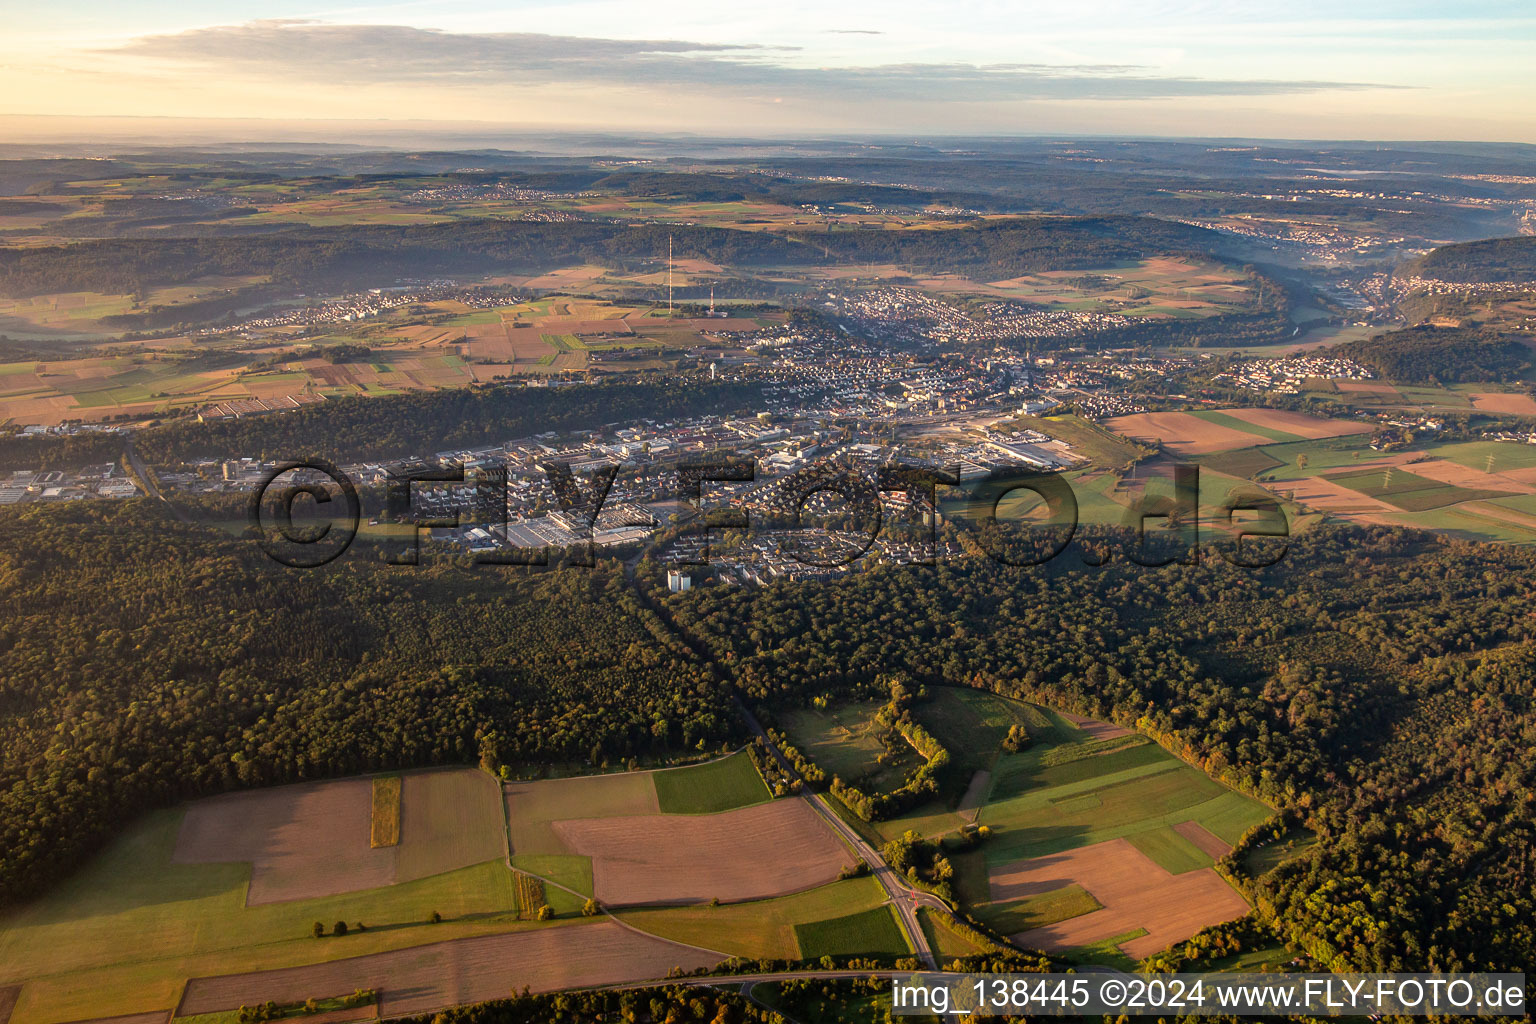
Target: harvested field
column 1447, row 472
column 425, row 978
column 1133, row 890
column 1182, row 433
column 301, row 841
column 8, row 996
column 152, row 1017
column 450, row 819
column 327, row 838
column 1514, row 405
column 1412, row 492
column 755, row 852
column 1367, row 387
column 532, row 807
column 1322, row 493
column 1202, row 837
column 385, row 812
column 1298, row 423
column 1095, row 729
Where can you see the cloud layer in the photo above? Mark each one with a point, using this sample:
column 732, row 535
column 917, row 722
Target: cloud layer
column 393, row 54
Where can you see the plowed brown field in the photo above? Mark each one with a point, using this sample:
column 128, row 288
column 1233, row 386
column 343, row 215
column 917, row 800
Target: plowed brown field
column 1208, row 843
column 425, row 978
column 1517, row 405
column 1182, row 433
column 768, row 850
column 1298, row 423
column 1133, row 890
column 302, row 841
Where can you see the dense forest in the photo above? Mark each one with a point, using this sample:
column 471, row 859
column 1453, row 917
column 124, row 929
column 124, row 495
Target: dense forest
column 1444, row 355
column 420, row 423
column 143, row 661
column 1375, row 683
column 1493, row 260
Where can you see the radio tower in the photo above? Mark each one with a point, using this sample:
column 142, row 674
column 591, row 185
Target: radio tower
column 712, row 313
column 669, row 275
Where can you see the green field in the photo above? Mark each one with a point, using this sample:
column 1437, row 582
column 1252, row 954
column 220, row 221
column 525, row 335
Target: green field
column 567, row 870
column 1292, row 843
column 1505, row 455
column 128, row 930
column 1027, row 772
column 1322, row 454
column 1106, row 952
column 1048, row 908
column 1114, row 806
column 872, row 932
column 1408, row 491
column 708, row 788
column 846, row 743
column 1171, row 851
column 1242, row 462
column 944, row 940
column 972, row 724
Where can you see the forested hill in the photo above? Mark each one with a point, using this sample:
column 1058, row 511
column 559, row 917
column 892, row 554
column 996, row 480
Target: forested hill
column 1426, row 354
column 310, row 258
column 419, row 423
column 1375, row 684
column 1493, row 260
column 143, row 662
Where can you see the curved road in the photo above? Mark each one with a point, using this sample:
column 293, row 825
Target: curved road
column 903, row 897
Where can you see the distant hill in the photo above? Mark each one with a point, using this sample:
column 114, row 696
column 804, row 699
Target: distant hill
column 1424, row 354
column 1494, row 260
column 309, row 259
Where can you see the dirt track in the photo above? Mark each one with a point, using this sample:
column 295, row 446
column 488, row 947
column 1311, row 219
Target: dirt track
column 755, row 852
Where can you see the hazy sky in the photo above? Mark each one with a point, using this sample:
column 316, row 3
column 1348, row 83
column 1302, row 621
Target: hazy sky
column 1292, row 69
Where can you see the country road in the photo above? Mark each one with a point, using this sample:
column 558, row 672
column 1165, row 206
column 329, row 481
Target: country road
column 903, row 896
column 905, row 899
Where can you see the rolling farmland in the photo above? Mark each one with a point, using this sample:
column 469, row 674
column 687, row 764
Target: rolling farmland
column 230, row 887
column 1096, row 833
